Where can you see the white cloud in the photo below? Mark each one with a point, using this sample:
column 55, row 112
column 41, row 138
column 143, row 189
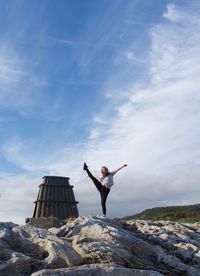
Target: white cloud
column 100, row 120
column 175, row 14
column 94, row 134
column 132, row 57
column 17, row 195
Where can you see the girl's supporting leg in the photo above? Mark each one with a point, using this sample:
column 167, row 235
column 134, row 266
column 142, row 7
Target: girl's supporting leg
column 104, row 193
column 97, row 183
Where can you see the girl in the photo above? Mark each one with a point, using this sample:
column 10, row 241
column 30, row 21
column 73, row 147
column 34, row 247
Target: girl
column 105, row 183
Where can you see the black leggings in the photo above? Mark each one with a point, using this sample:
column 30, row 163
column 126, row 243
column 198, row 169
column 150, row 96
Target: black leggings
column 102, row 189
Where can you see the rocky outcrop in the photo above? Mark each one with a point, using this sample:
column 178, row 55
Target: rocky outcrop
column 100, row 246
column 97, row 269
column 45, row 222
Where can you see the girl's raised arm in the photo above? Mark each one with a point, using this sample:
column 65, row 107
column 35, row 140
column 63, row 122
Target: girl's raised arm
column 115, row 171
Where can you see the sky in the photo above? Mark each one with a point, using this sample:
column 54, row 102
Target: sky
column 107, row 82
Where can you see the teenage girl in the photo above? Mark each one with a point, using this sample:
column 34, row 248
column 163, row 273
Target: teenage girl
column 104, row 184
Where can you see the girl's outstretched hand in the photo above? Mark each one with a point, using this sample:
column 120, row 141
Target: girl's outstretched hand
column 125, row 165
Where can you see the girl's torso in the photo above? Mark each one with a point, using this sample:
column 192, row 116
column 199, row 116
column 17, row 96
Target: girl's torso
column 107, row 180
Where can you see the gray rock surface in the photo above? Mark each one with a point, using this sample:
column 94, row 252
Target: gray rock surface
column 100, row 246
column 97, row 270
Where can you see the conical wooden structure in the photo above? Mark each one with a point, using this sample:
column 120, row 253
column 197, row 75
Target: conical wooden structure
column 55, row 198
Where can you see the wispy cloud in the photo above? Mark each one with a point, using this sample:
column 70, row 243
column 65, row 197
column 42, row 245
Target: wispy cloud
column 17, row 82
column 69, row 42
column 132, row 22
column 11, row 71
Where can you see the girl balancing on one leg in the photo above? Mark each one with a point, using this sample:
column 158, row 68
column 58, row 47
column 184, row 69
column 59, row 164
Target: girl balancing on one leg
column 104, row 184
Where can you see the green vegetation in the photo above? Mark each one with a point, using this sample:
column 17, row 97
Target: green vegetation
column 186, row 214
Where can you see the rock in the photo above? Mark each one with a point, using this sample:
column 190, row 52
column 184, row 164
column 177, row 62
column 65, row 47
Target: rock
column 100, row 246
column 7, row 225
column 196, row 258
column 180, row 241
column 36, row 249
column 164, row 237
column 106, row 241
column 57, row 252
column 99, row 270
column 59, row 232
column 54, row 231
column 45, row 222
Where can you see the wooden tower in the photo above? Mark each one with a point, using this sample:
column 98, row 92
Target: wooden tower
column 55, row 198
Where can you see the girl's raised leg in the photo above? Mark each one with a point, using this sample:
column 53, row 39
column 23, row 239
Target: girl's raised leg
column 96, row 182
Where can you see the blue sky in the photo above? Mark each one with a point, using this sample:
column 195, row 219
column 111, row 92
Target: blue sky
column 107, row 82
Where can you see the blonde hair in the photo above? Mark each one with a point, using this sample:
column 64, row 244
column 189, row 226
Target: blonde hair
column 104, row 167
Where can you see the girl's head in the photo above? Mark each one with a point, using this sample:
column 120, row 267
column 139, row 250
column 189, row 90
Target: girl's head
column 104, row 170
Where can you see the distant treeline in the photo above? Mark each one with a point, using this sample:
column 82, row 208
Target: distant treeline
column 189, row 213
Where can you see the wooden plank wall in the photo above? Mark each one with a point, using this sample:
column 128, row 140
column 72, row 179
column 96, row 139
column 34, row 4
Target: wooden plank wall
column 56, row 198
